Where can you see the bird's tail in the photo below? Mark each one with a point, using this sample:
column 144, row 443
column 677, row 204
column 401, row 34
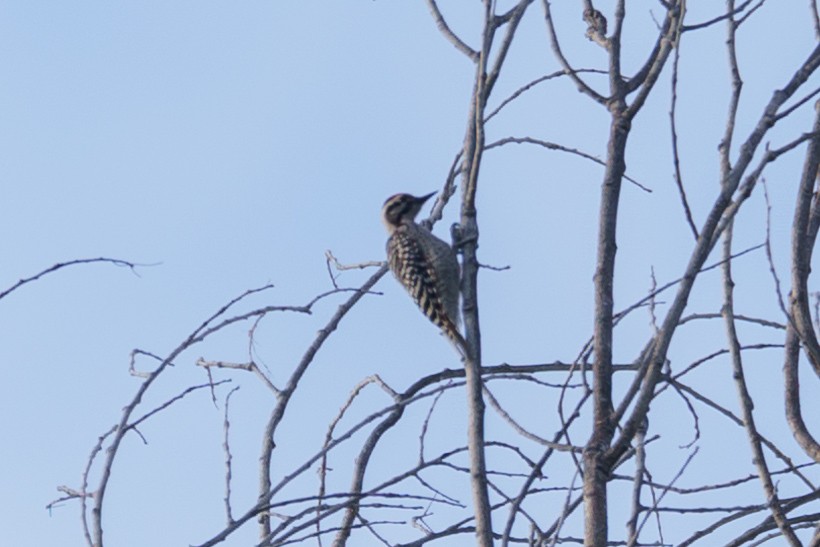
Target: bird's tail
column 451, row 331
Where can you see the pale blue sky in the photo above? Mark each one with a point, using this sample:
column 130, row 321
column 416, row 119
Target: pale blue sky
column 229, row 145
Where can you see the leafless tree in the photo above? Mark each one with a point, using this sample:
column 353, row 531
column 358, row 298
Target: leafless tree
column 604, row 438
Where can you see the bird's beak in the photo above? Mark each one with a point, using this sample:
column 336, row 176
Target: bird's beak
column 422, row 199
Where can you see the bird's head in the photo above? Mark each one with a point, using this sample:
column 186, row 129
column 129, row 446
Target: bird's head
column 401, row 209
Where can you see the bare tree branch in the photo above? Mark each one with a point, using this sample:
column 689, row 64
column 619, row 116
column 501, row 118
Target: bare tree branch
column 561, row 148
column 61, row 265
column 268, row 442
column 545, row 462
column 449, row 34
column 521, row 90
column 746, row 399
column 800, row 328
column 675, row 152
column 704, row 246
column 559, row 54
column 226, row 446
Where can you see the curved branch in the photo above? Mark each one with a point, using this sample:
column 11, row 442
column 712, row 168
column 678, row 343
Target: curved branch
column 449, row 34
column 517, row 93
column 648, row 76
column 804, row 232
column 61, row 265
column 553, row 146
column 675, row 153
column 803, row 239
column 668, row 35
column 268, row 443
column 583, row 87
column 124, row 426
column 794, row 415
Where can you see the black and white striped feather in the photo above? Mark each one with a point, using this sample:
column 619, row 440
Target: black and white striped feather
column 425, row 265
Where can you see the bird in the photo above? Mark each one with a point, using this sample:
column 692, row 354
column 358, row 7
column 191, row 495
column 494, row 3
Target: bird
column 425, row 265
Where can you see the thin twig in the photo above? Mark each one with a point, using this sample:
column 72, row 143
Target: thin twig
column 521, row 90
column 746, row 403
column 731, row 13
column 553, row 146
column 675, row 152
column 59, row 266
column 226, row 447
column 278, row 412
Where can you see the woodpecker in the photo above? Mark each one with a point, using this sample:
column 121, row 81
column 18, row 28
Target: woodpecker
column 425, row 265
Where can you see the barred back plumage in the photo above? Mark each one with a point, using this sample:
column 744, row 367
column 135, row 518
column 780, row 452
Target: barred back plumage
column 425, row 265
